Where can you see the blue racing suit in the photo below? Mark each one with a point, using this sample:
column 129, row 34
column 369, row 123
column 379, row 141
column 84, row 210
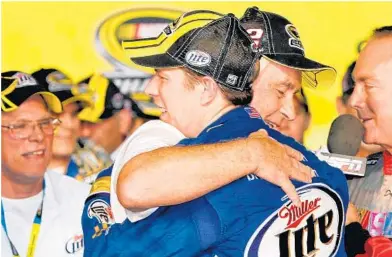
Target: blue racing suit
column 249, row 217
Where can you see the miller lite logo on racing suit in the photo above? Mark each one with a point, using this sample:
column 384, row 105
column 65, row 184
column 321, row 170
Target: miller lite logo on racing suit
column 100, row 210
column 313, row 229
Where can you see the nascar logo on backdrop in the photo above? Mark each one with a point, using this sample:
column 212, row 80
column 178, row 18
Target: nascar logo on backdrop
column 127, row 25
column 130, row 24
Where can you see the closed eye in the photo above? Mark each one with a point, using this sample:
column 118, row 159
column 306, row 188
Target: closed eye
column 280, row 93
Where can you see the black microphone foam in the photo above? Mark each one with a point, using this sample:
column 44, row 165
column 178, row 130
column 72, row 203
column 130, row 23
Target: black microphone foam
column 345, row 135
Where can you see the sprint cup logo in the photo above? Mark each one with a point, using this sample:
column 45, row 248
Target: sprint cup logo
column 127, row 25
column 313, row 229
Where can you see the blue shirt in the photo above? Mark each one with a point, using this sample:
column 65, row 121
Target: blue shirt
column 248, row 217
column 72, row 169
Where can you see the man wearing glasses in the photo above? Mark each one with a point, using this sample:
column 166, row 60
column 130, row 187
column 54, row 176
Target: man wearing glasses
column 40, row 211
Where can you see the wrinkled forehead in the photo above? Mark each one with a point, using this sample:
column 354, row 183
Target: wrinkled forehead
column 280, row 74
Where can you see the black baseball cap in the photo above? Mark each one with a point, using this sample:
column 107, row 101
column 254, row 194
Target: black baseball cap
column 17, row 87
column 205, row 42
column 278, row 40
column 62, row 86
column 134, row 86
column 107, row 99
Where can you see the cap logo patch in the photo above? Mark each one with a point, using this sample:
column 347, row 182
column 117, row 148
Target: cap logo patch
column 57, row 81
column 118, row 101
column 24, row 80
column 294, row 40
column 231, row 79
column 256, row 35
column 198, row 58
column 81, row 88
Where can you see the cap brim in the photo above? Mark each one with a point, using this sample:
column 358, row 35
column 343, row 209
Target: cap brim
column 52, row 101
column 158, row 61
column 89, row 114
column 314, row 74
column 10, row 103
column 86, row 100
column 149, row 108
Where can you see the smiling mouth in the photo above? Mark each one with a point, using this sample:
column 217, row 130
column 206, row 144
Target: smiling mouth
column 364, row 120
column 34, row 153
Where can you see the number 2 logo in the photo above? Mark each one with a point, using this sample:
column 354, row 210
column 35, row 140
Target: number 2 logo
column 256, row 35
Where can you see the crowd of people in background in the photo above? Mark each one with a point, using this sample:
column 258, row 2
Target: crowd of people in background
column 213, row 166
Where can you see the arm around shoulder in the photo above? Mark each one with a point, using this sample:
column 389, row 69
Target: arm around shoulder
column 173, row 175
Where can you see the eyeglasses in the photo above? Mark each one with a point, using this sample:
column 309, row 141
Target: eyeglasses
column 24, row 129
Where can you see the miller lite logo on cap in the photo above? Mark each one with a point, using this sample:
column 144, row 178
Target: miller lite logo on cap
column 313, row 229
column 24, row 80
column 198, row 58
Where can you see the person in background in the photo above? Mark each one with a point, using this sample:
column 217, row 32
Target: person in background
column 65, row 139
column 40, row 209
column 75, row 157
column 113, row 115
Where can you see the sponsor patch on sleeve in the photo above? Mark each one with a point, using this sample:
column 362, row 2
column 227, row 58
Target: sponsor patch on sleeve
column 252, row 113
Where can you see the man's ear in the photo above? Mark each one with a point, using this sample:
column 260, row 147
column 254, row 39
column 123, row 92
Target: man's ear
column 209, row 90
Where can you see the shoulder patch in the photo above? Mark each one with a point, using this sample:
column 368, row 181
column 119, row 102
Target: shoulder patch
column 100, row 210
column 252, row 113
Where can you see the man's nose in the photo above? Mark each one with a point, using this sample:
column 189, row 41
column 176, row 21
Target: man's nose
column 288, row 109
column 357, row 98
column 37, row 134
column 152, row 87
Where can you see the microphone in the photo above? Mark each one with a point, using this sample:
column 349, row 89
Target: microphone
column 345, row 135
column 344, row 140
